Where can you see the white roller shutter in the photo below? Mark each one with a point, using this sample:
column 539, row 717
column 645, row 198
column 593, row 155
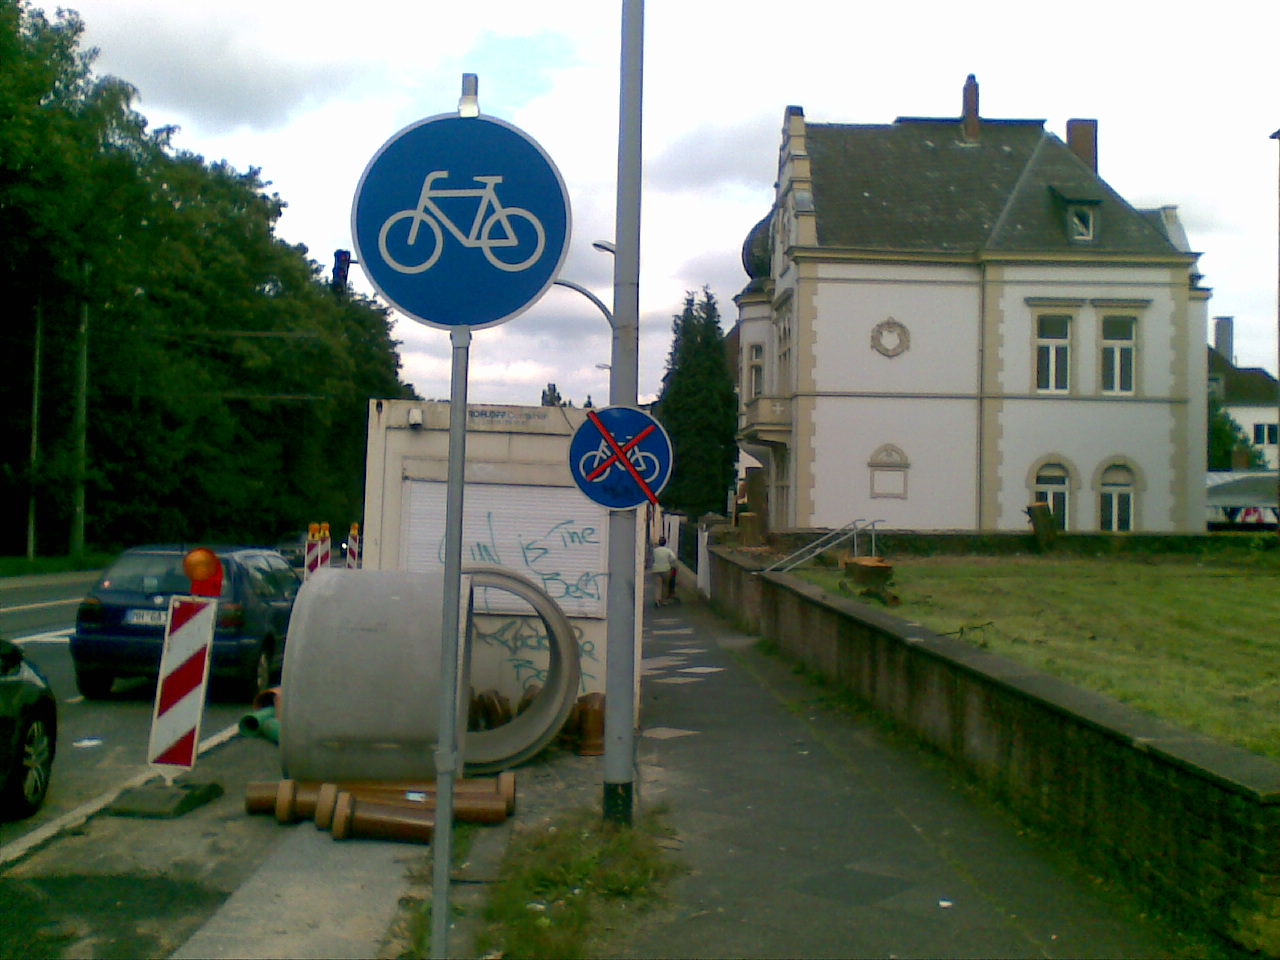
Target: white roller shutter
column 553, row 535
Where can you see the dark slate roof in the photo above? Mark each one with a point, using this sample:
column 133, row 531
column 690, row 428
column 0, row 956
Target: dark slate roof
column 1243, row 386
column 918, row 185
column 757, row 250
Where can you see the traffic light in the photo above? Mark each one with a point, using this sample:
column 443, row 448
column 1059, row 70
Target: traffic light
column 341, row 264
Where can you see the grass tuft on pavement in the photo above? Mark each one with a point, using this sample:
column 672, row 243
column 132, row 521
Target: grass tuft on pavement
column 566, row 883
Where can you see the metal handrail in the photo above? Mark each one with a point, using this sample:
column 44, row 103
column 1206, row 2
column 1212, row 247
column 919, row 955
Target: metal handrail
column 824, row 543
column 869, row 527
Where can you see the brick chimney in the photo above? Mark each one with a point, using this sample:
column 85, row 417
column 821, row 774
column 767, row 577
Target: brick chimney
column 1082, row 140
column 970, row 122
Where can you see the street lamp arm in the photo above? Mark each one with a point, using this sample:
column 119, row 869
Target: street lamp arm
column 608, row 314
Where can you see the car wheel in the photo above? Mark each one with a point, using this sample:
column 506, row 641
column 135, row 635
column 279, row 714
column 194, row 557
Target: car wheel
column 29, row 778
column 258, row 678
column 94, row 684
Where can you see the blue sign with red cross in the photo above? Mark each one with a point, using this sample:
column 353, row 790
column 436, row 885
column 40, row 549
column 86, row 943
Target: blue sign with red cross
column 620, row 457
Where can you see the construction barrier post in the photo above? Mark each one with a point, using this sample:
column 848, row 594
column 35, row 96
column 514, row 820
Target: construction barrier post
column 353, row 547
column 326, row 546
column 184, row 667
column 312, row 554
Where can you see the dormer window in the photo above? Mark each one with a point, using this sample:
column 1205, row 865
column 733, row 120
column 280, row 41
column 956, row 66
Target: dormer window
column 1079, row 204
column 1080, row 223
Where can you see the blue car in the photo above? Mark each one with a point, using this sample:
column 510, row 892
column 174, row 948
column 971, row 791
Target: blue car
column 120, row 624
column 28, row 734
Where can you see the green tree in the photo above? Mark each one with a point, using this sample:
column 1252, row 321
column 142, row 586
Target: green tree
column 227, row 385
column 1226, row 437
column 698, row 408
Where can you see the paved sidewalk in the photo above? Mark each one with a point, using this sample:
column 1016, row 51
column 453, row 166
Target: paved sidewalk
column 807, row 833
column 811, row 833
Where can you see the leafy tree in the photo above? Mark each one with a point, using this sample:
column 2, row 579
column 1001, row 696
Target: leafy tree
column 227, row 384
column 1226, row 437
column 698, row 408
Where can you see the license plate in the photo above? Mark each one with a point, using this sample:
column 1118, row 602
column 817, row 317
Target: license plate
column 147, row 618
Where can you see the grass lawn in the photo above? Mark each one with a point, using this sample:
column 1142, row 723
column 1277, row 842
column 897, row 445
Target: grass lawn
column 1193, row 640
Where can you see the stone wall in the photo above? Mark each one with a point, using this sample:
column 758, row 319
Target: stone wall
column 1187, row 821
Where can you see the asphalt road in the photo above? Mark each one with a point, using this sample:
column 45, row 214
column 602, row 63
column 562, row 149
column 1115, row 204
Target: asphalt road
column 102, row 744
column 77, row 881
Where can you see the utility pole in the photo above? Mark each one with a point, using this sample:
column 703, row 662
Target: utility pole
column 619, row 719
column 35, row 428
column 80, row 426
column 1276, row 136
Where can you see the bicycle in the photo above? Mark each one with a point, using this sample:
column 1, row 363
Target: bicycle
column 646, row 464
column 490, row 215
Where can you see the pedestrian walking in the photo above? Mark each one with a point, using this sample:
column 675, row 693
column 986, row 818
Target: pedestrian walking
column 663, row 569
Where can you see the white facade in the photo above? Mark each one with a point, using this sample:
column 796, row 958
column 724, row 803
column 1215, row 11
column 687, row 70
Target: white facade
column 949, row 390
column 1259, row 424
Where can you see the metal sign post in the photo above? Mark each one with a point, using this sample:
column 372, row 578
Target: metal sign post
column 620, row 674
column 460, row 221
column 447, row 761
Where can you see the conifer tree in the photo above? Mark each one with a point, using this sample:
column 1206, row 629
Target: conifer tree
column 698, row 408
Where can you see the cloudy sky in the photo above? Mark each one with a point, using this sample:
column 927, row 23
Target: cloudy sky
column 308, row 92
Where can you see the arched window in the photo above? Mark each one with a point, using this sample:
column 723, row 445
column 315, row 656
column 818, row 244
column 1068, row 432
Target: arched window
column 889, row 466
column 1115, row 500
column 1052, row 487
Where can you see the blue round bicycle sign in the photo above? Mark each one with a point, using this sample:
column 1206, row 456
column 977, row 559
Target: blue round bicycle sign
column 620, row 457
column 461, row 221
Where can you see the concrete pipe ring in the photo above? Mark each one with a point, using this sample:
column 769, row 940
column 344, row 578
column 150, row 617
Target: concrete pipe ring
column 528, row 733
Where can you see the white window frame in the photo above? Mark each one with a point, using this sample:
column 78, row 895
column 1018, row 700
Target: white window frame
column 1053, row 355
column 1082, row 223
column 1119, row 357
column 889, row 466
column 1117, row 500
column 755, row 371
column 1053, row 486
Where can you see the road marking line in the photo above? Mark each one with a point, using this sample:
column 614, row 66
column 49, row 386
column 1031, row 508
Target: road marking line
column 38, row 606
column 72, row 819
column 53, row 636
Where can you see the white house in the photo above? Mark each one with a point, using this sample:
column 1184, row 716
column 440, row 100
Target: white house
column 1249, row 395
column 949, row 319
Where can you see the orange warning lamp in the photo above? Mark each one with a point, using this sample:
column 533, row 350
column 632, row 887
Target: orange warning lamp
column 313, row 531
column 204, row 569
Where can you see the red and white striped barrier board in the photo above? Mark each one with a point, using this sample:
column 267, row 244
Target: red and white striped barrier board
column 311, row 558
column 326, row 552
column 184, row 672
column 353, row 547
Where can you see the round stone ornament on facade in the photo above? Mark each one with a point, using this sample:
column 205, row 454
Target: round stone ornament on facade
column 890, row 338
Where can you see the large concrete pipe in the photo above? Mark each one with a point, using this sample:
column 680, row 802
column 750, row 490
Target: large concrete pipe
column 361, row 685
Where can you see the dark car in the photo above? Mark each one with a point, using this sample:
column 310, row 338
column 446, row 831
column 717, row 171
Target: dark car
column 294, row 548
column 120, row 624
column 28, row 734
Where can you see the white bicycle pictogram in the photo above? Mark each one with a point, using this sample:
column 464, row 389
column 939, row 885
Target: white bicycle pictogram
column 646, row 464
column 490, row 216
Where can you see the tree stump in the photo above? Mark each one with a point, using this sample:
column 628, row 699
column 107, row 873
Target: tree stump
column 870, row 577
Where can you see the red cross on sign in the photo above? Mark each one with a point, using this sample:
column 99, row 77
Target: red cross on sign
column 620, row 455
